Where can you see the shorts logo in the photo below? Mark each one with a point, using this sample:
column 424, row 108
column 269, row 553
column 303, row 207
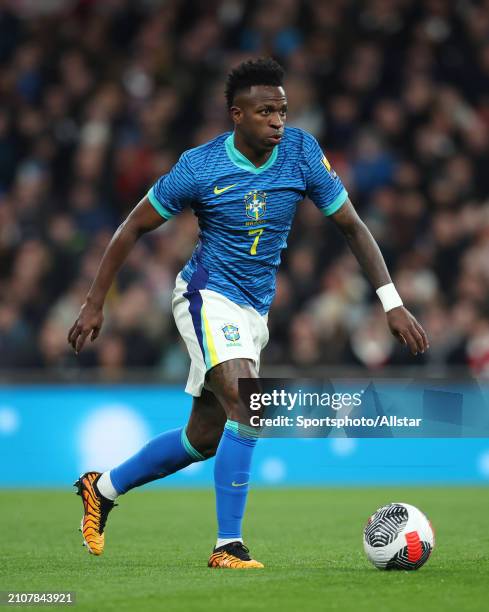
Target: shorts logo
column 255, row 204
column 231, row 333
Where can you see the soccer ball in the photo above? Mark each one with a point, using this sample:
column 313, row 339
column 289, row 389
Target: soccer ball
column 398, row 536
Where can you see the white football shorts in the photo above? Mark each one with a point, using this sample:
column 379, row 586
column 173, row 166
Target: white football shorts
column 215, row 329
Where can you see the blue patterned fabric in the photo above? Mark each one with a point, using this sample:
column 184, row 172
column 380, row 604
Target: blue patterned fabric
column 245, row 213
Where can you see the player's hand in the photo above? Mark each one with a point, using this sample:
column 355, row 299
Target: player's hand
column 407, row 330
column 89, row 321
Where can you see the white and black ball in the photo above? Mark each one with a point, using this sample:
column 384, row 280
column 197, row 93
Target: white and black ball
column 398, row 536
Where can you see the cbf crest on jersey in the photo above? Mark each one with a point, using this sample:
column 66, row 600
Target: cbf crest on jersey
column 231, row 333
column 255, row 204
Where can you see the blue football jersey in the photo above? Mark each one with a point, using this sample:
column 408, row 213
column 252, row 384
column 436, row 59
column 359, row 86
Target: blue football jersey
column 245, row 213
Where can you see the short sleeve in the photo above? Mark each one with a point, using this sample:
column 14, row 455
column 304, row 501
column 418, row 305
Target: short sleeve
column 174, row 191
column 323, row 185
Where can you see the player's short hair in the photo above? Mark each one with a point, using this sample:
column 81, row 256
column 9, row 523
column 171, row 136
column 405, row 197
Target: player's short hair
column 261, row 71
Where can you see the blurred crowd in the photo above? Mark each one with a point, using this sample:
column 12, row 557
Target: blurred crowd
column 98, row 99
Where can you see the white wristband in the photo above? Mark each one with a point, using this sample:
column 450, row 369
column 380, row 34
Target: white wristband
column 389, row 297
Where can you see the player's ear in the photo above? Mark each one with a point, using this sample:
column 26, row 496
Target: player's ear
column 236, row 114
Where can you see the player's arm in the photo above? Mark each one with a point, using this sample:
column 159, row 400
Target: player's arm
column 142, row 219
column 366, row 250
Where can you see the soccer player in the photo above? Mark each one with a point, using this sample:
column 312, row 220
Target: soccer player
column 244, row 188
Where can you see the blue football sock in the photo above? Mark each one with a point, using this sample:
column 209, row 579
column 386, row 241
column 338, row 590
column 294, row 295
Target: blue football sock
column 167, row 453
column 231, row 477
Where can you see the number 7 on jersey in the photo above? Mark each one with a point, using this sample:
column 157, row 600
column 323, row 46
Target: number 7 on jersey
column 258, row 233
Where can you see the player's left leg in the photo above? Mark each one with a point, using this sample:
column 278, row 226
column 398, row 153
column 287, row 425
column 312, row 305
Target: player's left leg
column 167, row 453
column 232, row 464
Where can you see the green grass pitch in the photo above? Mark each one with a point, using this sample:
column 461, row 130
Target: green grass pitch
column 158, row 542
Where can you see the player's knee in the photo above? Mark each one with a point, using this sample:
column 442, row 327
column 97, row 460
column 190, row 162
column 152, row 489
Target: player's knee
column 224, row 383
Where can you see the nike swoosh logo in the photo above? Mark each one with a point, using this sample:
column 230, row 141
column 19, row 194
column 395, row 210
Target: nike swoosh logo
column 218, row 191
column 239, row 484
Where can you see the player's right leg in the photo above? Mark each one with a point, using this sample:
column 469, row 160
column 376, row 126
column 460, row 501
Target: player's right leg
column 160, row 457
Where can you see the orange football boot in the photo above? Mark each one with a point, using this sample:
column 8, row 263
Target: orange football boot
column 96, row 508
column 234, row 555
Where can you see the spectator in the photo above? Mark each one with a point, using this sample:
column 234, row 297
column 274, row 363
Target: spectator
column 98, row 100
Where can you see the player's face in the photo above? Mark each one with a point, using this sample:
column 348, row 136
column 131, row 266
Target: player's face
column 259, row 115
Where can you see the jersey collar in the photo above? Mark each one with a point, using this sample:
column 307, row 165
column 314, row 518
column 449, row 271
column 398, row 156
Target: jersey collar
column 243, row 162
